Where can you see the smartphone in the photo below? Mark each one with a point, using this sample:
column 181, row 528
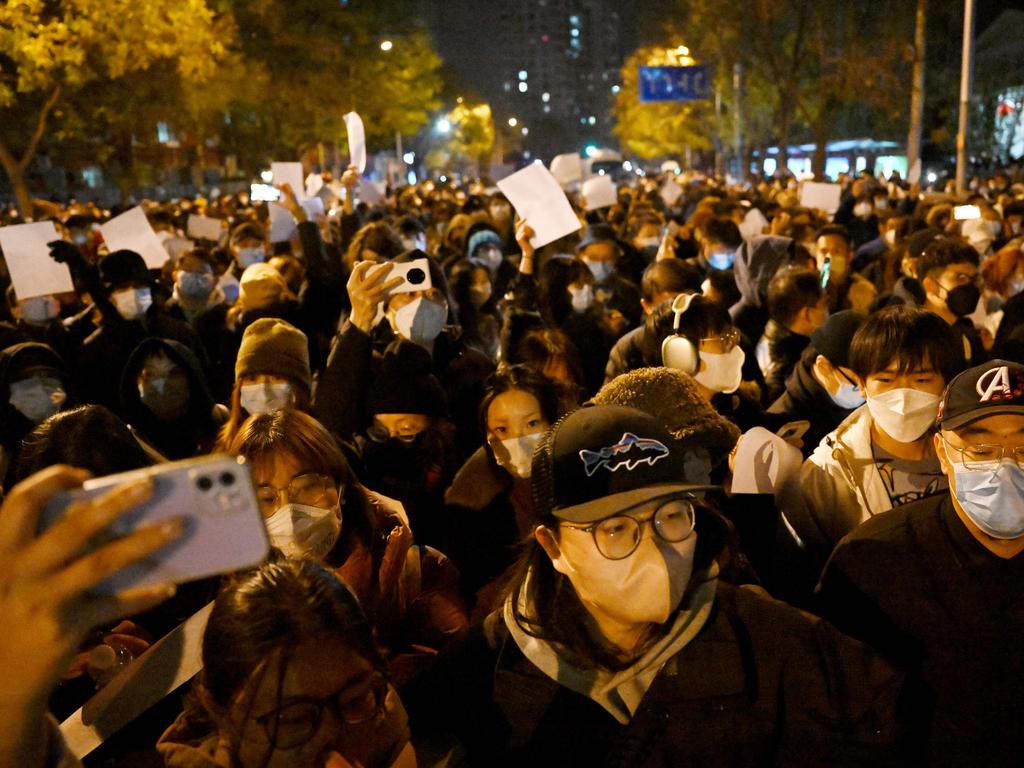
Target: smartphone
column 416, row 274
column 966, row 212
column 224, row 529
column 264, row 193
column 794, row 429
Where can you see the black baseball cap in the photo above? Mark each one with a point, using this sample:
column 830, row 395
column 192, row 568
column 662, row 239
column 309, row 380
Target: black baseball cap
column 985, row 390
column 832, row 340
column 602, row 459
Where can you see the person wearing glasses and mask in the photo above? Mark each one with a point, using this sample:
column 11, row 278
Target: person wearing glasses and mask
column 617, row 643
column 936, row 584
column 315, row 508
column 292, row 677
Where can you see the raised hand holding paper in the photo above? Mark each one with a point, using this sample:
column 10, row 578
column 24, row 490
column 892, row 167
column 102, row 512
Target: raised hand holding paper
column 356, row 140
column 33, row 272
column 764, row 462
column 599, row 192
column 290, row 174
column 131, row 231
column 540, row 201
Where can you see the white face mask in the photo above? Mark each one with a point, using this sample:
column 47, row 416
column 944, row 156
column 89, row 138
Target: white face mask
column 890, row 236
column 132, row 303
column 601, row 270
column 490, row 256
column 582, row 297
column 37, row 398
column 515, row 455
column 418, row 243
column 904, row 414
column 722, row 373
column 299, row 530
column 862, row 210
column 645, row 587
column 249, row 256
column 39, row 310
column 420, row 321
column 265, row 398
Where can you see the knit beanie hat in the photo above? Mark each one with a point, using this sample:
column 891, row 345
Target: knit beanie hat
column 121, row 268
column 832, row 340
column 672, row 398
column 482, row 237
column 261, row 286
column 404, row 383
column 272, row 346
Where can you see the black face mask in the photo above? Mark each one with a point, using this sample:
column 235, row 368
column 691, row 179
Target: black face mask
column 963, row 299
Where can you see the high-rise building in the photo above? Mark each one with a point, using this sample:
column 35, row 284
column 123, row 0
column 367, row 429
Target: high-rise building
column 560, row 63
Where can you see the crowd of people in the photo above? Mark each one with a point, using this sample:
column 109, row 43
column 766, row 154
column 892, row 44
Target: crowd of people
column 500, row 502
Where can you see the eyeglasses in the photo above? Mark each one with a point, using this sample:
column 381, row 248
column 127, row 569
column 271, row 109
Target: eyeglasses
column 380, row 434
column 618, row 537
column 722, row 344
column 986, row 457
column 303, row 489
column 295, row 723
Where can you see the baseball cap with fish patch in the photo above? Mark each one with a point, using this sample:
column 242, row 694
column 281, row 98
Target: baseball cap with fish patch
column 602, row 459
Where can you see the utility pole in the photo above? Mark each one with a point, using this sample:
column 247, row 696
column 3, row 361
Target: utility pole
column 737, row 108
column 966, row 73
column 917, row 96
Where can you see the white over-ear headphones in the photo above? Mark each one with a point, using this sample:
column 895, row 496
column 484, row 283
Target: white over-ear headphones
column 677, row 351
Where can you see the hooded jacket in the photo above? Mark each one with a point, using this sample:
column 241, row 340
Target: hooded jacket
column 757, row 261
column 839, row 488
column 14, row 426
column 183, row 438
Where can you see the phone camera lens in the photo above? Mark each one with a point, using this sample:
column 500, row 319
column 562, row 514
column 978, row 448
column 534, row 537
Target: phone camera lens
column 227, row 478
column 415, row 276
column 204, row 483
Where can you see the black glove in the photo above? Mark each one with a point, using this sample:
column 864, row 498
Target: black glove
column 64, row 252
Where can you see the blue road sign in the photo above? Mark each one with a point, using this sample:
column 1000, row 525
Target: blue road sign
column 674, row 83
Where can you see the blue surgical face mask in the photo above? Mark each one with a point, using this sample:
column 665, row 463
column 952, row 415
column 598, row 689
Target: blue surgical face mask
column 722, row 259
column 993, row 498
column 249, row 256
column 601, row 270
column 848, row 396
column 195, row 285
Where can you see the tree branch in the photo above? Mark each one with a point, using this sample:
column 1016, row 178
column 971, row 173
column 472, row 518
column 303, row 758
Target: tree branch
column 40, row 129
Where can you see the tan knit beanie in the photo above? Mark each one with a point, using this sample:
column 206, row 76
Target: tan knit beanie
column 272, row 346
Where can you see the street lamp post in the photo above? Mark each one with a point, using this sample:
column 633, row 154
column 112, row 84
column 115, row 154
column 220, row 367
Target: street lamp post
column 966, row 73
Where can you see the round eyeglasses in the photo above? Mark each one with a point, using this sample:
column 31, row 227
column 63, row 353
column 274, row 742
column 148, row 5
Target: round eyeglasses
column 304, row 489
column 618, row 537
column 296, row 722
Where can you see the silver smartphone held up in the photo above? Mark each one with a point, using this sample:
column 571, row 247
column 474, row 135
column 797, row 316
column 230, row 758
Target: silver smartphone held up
column 264, row 193
column 416, row 274
column 224, row 529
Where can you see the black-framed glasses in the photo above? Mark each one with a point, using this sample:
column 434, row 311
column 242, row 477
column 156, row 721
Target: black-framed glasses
column 979, row 458
column 295, row 723
column 846, row 378
column 309, row 489
column 618, row 537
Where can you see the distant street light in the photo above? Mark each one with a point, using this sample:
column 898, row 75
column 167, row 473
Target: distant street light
column 386, row 45
column 443, row 125
column 512, row 122
column 409, row 158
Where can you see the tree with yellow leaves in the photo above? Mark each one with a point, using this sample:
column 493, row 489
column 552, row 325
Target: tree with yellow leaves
column 51, row 51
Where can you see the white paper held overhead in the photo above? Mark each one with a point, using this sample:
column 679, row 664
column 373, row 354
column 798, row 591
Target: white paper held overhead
column 204, row 228
column 131, row 231
column 356, row 140
column 823, row 197
column 540, row 201
column 33, row 272
column 599, row 192
column 282, row 223
column 290, row 174
column 670, row 193
column 567, row 168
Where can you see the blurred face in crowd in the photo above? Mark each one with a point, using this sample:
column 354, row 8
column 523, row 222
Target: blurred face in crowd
column 248, row 251
column 648, row 235
column 291, row 269
column 330, row 699
column 833, row 250
column 194, row 278
column 418, row 316
column 405, row 427
column 163, row 387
